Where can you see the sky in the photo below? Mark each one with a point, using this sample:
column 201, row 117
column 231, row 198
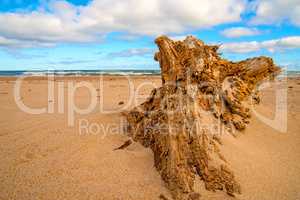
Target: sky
column 120, row 34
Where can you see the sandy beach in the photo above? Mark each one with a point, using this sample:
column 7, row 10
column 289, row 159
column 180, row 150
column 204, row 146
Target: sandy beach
column 43, row 157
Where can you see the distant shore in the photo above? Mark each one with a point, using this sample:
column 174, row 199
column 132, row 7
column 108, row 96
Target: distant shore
column 78, row 72
column 85, row 77
column 41, row 74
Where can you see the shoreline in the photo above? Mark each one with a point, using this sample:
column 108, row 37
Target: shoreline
column 88, row 77
column 106, row 77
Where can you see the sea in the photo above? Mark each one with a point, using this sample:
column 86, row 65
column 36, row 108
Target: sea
column 77, row 72
column 100, row 72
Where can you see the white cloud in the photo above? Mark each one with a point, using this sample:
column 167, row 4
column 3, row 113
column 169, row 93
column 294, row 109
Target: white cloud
column 60, row 21
column 131, row 52
column 282, row 44
column 241, row 47
column 236, row 32
column 271, row 45
column 15, row 43
column 276, row 11
column 178, row 37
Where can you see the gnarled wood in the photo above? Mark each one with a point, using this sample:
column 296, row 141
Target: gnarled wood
column 180, row 120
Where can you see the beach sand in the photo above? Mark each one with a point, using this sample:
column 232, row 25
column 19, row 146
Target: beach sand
column 43, row 157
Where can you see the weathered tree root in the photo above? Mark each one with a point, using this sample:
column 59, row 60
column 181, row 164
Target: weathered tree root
column 180, row 120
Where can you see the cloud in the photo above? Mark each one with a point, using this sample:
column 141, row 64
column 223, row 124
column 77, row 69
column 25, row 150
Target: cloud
column 15, row 53
column 16, row 43
column 131, row 53
column 241, row 47
column 70, row 62
column 281, row 44
column 43, row 28
column 276, row 11
column 178, row 37
column 62, row 22
column 236, row 32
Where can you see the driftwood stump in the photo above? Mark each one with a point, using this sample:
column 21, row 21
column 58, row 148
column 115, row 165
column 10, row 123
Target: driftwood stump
column 202, row 96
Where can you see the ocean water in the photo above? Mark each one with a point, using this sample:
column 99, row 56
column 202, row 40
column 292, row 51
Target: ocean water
column 101, row 72
column 78, row 72
column 293, row 73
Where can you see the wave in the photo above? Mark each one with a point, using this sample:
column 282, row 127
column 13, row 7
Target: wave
column 78, row 72
column 102, row 72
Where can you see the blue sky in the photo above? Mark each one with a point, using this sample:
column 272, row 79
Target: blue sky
column 119, row 34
